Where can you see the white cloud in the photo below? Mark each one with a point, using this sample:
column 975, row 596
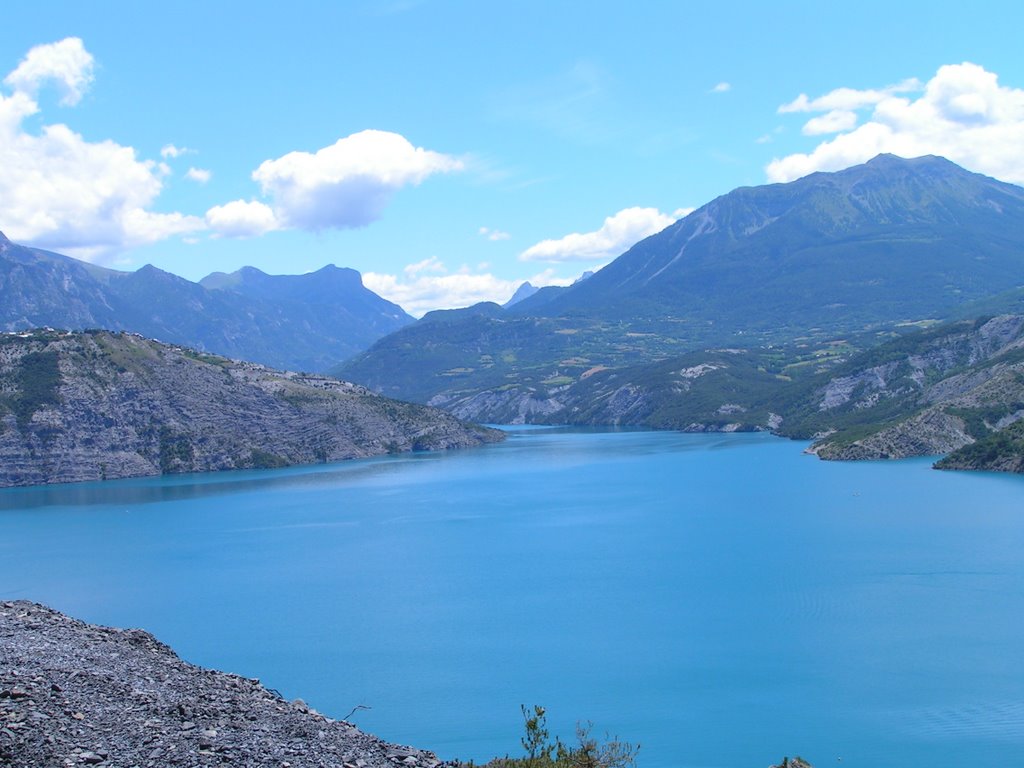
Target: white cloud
column 615, row 236
column 240, row 218
column 200, row 175
column 420, row 292
column 171, row 151
column 349, row 183
column 59, row 191
column 849, row 98
column 722, row 87
column 65, row 63
column 494, row 234
column 962, row 114
column 835, row 121
column 430, row 264
column 428, row 285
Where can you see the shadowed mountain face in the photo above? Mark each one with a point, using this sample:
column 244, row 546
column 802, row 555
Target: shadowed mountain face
column 296, row 322
column 847, row 253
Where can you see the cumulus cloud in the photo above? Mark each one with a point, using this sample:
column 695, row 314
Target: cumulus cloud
column 421, row 291
column 58, row 190
column 722, row 87
column 200, row 175
column 429, row 285
column 494, row 234
column 241, row 218
column 66, row 64
column 618, row 233
column 349, row 183
column 962, row 113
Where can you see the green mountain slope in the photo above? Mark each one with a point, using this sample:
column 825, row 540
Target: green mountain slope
column 94, row 405
column 927, row 392
column 833, row 255
column 836, row 250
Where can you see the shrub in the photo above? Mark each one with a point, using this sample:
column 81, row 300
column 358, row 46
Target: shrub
column 590, row 752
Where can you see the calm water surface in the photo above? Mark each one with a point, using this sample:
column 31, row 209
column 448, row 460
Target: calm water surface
column 724, row 600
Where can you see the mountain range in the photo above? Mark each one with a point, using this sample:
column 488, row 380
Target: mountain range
column 898, row 284
column 295, row 322
column 848, row 255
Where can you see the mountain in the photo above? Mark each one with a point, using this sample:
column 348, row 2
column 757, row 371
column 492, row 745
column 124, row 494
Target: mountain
column 95, row 405
column 830, row 249
column 301, row 322
column 842, row 255
column 524, row 291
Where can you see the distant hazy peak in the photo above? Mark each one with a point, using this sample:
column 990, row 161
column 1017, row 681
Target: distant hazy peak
column 589, row 273
column 524, row 291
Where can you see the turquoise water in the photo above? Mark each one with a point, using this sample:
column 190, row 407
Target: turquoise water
column 724, row 600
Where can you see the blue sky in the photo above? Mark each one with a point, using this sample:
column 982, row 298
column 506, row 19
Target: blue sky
column 450, row 150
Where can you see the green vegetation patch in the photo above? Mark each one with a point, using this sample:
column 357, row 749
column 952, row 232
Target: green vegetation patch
column 176, row 451
column 1002, row 450
column 37, row 382
column 267, row 460
column 978, row 421
column 543, row 752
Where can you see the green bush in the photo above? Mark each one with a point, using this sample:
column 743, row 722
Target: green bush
column 589, row 752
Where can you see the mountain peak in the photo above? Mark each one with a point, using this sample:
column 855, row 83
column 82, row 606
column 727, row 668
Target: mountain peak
column 4, row 240
column 889, row 160
column 524, row 291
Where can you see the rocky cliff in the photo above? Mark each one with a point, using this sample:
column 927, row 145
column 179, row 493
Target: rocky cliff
column 95, row 405
column 925, row 395
column 74, row 694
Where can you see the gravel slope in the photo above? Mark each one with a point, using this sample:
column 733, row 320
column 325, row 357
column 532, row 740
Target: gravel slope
column 75, row 694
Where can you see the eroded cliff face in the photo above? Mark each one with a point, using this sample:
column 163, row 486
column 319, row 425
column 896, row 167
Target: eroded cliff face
column 943, row 395
column 95, row 405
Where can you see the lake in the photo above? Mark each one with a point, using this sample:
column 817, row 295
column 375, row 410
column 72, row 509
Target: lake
column 722, row 599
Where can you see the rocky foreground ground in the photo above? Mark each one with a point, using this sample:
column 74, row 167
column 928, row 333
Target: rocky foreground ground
column 75, row 694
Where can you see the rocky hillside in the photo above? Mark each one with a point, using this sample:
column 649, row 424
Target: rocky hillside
column 999, row 451
column 93, row 405
column 925, row 394
column 830, row 255
column 922, row 392
column 74, row 694
column 298, row 322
